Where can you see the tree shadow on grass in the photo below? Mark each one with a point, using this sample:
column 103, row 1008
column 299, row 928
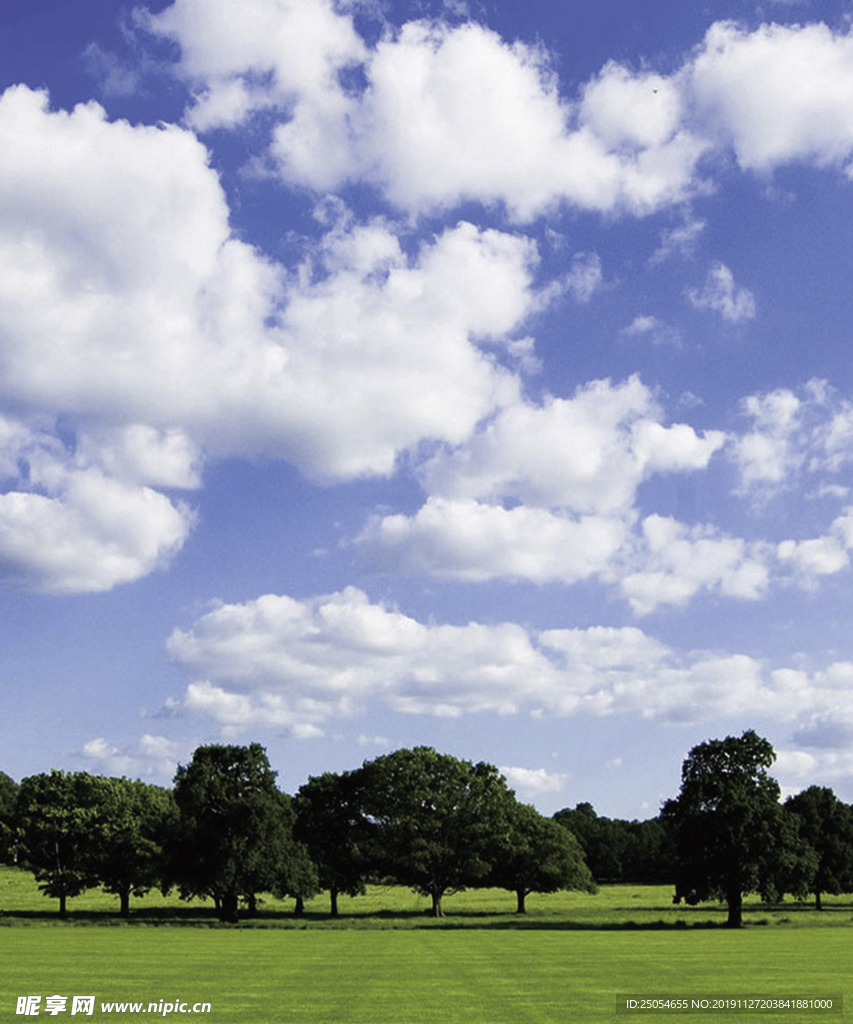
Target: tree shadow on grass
column 269, row 917
column 380, row 920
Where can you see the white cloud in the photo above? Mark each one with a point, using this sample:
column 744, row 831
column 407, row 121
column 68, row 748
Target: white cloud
column 129, row 314
column 820, row 556
column 260, row 54
column 678, row 561
column 585, row 277
column 111, row 232
column 769, row 453
column 515, row 140
column 646, row 326
column 282, row 662
column 678, row 241
column 777, row 94
column 467, row 540
column 93, row 534
column 143, row 454
column 631, row 140
column 151, row 757
column 382, row 353
column 587, row 453
column 66, row 526
column 720, row 293
column 293, row 663
column 530, row 783
column 791, row 434
column 547, row 494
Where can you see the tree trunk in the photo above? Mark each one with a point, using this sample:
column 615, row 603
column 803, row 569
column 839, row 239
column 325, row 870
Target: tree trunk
column 299, row 908
column 229, row 908
column 124, row 903
column 520, row 895
column 251, row 905
column 817, row 901
column 735, row 902
column 436, row 910
column 62, row 909
column 333, row 898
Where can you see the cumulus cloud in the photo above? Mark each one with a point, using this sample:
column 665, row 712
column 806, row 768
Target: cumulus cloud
column 720, row 293
column 543, row 493
column 296, row 663
column 791, row 434
column 769, row 453
column 151, row 757
column 67, row 526
column 820, row 556
column 278, row 661
column 629, row 140
column 132, row 316
column 383, row 352
column 123, row 296
column 587, row 453
column 585, row 277
column 261, row 54
column 777, row 94
column 473, row 541
column 530, row 783
column 515, row 140
column 678, row 561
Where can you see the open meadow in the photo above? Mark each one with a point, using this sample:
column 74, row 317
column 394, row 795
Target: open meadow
column 572, row 958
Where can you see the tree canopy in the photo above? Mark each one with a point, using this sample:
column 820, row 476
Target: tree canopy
column 134, row 822
column 57, row 818
column 617, row 850
column 234, row 833
column 731, row 836
column 330, row 820
column 539, row 855
column 826, row 825
column 437, row 819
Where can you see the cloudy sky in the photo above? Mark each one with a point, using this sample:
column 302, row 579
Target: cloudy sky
column 466, row 374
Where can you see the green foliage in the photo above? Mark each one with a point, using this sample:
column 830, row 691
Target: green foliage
column 331, row 823
column 539, row 855
column 437, row 819
column 57, row 823
column 731, row 834
column 234, row 835
column 826, row 825
column 617, row 850
column 135, row 820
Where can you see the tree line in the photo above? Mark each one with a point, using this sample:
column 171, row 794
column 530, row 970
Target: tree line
column 414, row 817
column 421, row 819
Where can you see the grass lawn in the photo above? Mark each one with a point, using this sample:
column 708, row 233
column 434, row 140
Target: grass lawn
column 573, row 959
column 373, row 977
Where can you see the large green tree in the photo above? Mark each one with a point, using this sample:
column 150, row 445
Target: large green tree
column 133, row 823
column 438, row 820
column 539, row 855
column 731, row 835
column 826, row 825
column 234, row 832
column 331, row 822
column 58, row 825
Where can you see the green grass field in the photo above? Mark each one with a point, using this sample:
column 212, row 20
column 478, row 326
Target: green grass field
column 573, row 958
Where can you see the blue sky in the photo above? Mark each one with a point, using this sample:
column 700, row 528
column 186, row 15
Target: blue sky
column 472, row 375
